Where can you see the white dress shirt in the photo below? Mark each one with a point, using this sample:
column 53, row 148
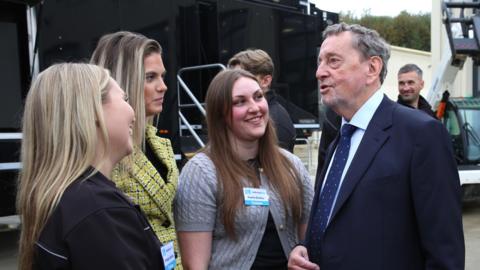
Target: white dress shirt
column 360, row 119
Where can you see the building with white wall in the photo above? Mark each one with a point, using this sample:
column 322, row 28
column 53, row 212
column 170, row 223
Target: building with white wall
column 429, row 62
column 401, row 56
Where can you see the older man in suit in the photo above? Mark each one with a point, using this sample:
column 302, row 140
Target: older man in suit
column 389, row 195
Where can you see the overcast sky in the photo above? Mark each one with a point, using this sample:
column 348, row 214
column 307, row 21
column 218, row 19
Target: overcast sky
column 376, row 7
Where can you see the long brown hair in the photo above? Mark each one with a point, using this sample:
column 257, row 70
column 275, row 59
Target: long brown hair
column 232, row 172
column 62, row 111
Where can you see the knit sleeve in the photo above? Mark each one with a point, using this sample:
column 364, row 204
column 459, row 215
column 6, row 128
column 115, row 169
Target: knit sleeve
column 307, row 192
column 307, row 185
column 195, row 204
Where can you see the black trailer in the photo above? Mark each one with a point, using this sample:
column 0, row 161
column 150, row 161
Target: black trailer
column 192, row 33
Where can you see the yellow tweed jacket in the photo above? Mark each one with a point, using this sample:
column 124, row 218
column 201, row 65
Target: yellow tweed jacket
column 144, row 185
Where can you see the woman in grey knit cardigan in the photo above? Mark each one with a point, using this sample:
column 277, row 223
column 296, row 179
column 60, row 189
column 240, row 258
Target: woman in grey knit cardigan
column 242, row 202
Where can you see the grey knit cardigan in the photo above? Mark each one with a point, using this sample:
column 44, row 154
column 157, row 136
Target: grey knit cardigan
column 196, row 209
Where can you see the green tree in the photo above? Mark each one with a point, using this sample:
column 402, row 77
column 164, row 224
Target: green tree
column 404, row 30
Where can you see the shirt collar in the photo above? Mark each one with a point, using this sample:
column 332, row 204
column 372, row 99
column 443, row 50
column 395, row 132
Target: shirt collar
column 362, row 117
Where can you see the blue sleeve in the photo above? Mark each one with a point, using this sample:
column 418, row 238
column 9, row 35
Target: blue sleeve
column 436, row 195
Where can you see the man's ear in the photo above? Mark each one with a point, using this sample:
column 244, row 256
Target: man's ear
column 374, row 68
column 265, row 81
column 422, row 83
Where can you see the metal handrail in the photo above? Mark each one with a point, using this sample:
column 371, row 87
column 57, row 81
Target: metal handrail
column 191, row 95
column 218, row 65
column 8, row 166
column 192, row 131
column 181, row 85
column 309, row 151
column 310, row 126
column 10, row 136
column 190, row 105
column 9, row 223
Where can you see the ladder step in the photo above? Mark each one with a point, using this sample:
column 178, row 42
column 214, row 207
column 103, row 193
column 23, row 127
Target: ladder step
column 189, row 105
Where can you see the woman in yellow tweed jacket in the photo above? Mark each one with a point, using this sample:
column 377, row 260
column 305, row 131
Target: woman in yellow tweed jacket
column 147, row 188
column 149, row 176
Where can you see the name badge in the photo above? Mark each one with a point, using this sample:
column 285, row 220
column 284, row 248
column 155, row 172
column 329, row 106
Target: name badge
column 255, row 196
column 168, row 255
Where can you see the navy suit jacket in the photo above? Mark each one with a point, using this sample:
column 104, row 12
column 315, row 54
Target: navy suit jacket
column 399, row 206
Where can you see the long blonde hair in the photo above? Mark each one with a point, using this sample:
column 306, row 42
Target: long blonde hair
column 231, row 170
column 123, row 53
column 61, row 122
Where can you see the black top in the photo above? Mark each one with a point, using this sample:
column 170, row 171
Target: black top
column 161, row 168
column 270, row 254
column 96, row 227
column 422, row 105
column 283, row 123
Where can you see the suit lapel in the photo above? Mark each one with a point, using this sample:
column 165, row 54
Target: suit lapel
column 374, row 138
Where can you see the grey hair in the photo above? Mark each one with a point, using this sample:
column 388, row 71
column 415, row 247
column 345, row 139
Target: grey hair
column 367, row 41
column 409, row 68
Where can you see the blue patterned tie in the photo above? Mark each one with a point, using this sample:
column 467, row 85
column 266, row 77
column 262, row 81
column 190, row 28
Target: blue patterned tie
column 329, row 190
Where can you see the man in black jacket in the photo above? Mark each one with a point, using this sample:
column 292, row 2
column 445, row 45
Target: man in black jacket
column 259, row 63
column 410, row 83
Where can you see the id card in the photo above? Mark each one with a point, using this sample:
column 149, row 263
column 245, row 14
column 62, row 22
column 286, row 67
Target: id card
column 255, row 196
column 168, row 255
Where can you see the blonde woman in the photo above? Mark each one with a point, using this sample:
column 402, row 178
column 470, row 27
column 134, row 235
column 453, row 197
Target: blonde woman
column 149, row 176
column 243, row 202
column 76, row 127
